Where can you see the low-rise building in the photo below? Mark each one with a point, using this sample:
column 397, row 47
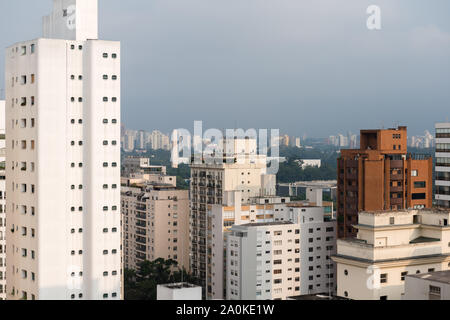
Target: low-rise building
column 389, row 246
column 178, row 291
column 428, row 286
column 133, row 165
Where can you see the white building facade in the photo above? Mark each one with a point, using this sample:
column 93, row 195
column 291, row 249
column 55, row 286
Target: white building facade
column 391, row 245
column 2, row 203
column 263, row 261
column 428, row 286
column 317, row 236
column 245, row 172
column 63, row 128
column 442, row 182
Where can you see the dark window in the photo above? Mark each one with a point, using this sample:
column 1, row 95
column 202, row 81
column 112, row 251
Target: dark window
column 419, row 184
column 418, row 196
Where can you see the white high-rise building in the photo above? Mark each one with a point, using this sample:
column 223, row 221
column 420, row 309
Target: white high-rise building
column 241, row 170
column 63, row 169
column 263, row 261
column 442, row 168
column 2, row 204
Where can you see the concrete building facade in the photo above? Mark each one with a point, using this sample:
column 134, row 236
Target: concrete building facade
column 317, row 239
column 263, row 261
column 391, row 245
column 155, row 220
column 2, row 203
column 63, row 171
column 240, row 170
column 381, row 175
column 442, row 181
column 428, row 286
column 179, row 291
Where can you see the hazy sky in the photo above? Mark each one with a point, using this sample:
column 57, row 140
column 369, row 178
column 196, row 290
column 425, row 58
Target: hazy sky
column 303, row 66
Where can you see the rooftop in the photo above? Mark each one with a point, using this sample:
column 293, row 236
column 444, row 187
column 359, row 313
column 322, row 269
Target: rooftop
column 264, row 224
column 319, row 296
column 434, row 210
column 307, row 204
column 181, row 285
column 424, row 240
column 438, row 276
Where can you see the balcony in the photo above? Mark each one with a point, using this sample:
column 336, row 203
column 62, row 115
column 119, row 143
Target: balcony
column 398, row 164
column 141, row 216
column 396, row 201
column 352, row 176
column 141, row 224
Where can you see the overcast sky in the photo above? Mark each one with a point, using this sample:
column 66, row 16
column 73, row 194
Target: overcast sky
column 303, row 66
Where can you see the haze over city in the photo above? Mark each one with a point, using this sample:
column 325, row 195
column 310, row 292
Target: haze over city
column 302, row 66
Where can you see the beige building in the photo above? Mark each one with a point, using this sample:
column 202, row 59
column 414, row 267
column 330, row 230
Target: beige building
column 155, row 220
column 263, row 261
column 139, row 165
column 390, row 246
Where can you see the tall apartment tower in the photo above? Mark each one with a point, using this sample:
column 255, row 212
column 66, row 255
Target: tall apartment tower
column 381, row 175
column 2, row 203
column 442, row 165
column 242, row 170
column 63, row 129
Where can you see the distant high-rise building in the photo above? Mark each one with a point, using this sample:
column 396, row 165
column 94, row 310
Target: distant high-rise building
column 63, row 121
column 285, row 140
column 332, row 140
column 129, row 142
column 141, row 140
column 428, row 140
column 381, row 176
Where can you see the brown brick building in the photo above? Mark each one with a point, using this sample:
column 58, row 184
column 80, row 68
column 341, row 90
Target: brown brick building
column 381, row 175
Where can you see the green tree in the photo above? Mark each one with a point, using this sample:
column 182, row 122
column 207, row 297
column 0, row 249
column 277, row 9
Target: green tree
column 142, row 283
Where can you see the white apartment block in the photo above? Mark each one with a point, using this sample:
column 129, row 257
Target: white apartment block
column 317, row 238
column 63, row 167
column 442, row 168
column 390, row 246
column 223, row 217
column 317, row 245
column 242, row 170
column 155, row 221
column 2, row 203
column 263, row 261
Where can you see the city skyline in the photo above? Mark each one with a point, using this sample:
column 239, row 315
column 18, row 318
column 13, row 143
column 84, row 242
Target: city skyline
column 186, row 69
column 283, row 150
